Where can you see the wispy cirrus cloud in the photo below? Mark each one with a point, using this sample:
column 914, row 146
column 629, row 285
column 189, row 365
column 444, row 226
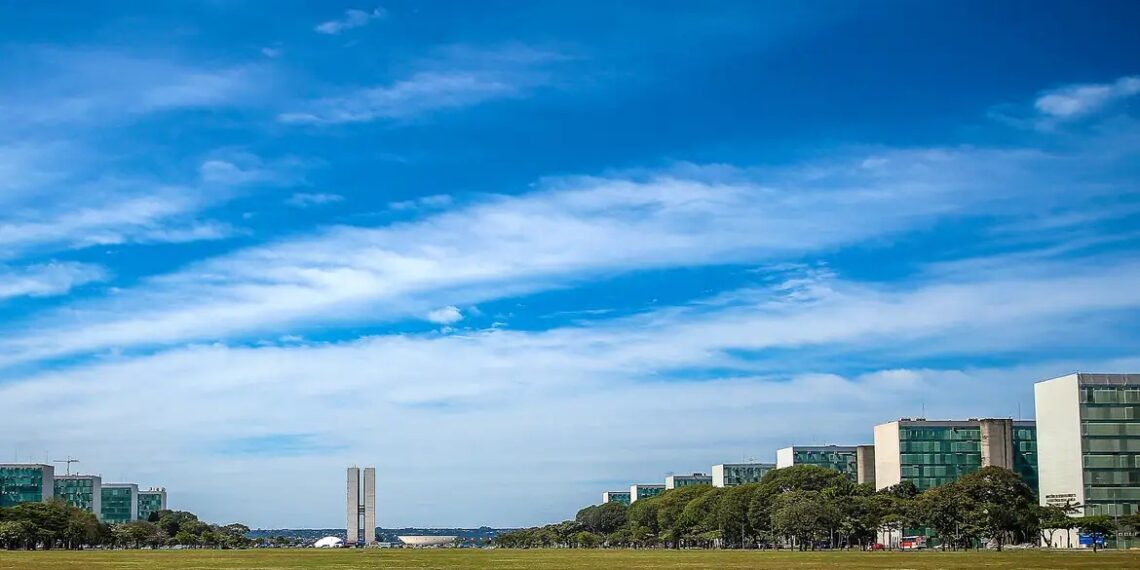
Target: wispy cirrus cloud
column 352, row 19
column 569, row 230
column 459, row 77
column 1073, row 101
column 98, row 86
column 47, row 279
column 307, row 199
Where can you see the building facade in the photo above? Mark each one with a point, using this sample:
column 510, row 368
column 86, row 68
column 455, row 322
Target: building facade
column 1088, row 430
column 621, row 497
column 151, row 501
column 677, row 481
column 637, row 492
column 81, row 491
column 865, row 465
column 119, row 502
column 733, row 474
column 842, row 458
column 26, row 483
column 933, row 453
column 361, row 506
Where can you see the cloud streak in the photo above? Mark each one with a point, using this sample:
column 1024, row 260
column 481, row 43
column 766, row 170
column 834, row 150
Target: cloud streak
column 352, row 19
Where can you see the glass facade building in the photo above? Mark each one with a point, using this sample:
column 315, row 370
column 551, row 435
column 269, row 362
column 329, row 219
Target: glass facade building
column 1089, row 434
column 120, row 503
column 82, row 491
column 933, row 453
column 678, row 481
column 25, row 483
column 637, row 492
column 733, row 474
column 621, row 497
column 842, row 458
column 151, row 501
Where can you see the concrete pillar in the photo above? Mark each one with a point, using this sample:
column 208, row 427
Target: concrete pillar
column 370, row 505
column 997, row 443
column 865, row 464
column 352, row 505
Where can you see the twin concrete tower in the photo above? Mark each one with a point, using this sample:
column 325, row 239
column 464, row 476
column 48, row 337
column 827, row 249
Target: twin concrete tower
column 361, row 507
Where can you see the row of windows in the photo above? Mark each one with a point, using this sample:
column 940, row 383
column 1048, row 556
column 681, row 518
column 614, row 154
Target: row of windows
column 1111, row 461
column 1110, row 413
column 1112, row 494
column 1111, row 445
column 913, row 471
column 1131, row 429
column 1121, row 395
column 1115, row 477
column 1112, row 509
column 940, row 458
column 940, row 433
column 940, row 447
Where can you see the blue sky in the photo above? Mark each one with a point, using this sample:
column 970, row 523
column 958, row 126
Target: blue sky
column 516, row 255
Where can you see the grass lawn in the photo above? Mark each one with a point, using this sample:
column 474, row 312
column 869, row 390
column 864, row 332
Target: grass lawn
column 563, row 559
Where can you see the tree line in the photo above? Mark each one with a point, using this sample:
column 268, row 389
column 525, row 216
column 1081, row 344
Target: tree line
column 810, row 507
column 55, row 524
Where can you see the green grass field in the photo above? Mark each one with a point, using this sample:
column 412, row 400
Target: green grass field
column 564, row 559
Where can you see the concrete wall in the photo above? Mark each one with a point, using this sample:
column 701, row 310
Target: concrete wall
column 865, row 464
column 997, row 443
column 785, row 457
column 1060, row 471
column 888, row 466
column 718, row 475
column 370, row 505
column 352, row 506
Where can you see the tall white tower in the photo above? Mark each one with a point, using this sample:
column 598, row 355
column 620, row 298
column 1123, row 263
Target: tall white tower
column 361, row 507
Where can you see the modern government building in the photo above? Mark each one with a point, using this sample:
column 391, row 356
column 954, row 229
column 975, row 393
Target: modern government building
column 1083, row 449
column 112, row 503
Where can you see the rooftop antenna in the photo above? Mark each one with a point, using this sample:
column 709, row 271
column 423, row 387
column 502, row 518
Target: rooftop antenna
column 68, row 461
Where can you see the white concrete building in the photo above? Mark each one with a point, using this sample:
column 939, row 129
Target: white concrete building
column 1088, row 433
column 644, row 492
column 733, row 474
column 676, row 481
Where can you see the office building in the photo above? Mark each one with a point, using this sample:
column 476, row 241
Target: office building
column 1088, row 433
column 361, row 506
column 26, row 483
column 151, row 501
column 82, row 491
column 637, row 492
column 931, row 453
column 678, row 481
column 120, row 502
column 842, row 458
column 733, row 474
column 616, row 497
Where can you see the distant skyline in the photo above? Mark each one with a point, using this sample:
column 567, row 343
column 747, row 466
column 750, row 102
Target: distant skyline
column 517, row 254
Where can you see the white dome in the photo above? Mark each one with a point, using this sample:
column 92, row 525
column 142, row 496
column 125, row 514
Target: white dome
column 329, row 542
column 427, row 540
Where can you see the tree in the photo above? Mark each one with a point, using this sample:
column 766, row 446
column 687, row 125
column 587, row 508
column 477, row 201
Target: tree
column 945, row 510
column 804, row 517
column 586, row 539
column 1052, row 518
column 999, row 501
column 1097, row 527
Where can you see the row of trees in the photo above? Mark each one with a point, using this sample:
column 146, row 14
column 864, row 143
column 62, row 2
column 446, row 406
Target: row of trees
column 809, row 507
column 56, row 524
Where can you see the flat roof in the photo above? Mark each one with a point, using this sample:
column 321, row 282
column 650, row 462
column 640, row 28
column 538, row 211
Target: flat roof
column 958, row 423
column 822, row 447
column 745, row 465
column 26, row 465
column 646, row 485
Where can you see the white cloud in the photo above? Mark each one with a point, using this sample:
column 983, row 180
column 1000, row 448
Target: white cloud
column 47, row 279
column 304, row 199
column 445, row 315
column 352, row 19
column 570, row 230
column 460, row 78
column 510, row 395
column 432, row 202
column 1077, row 100
column 92, row 86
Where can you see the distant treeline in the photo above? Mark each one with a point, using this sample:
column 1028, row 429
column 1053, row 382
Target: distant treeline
column 55, row 524
column 809, row 507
